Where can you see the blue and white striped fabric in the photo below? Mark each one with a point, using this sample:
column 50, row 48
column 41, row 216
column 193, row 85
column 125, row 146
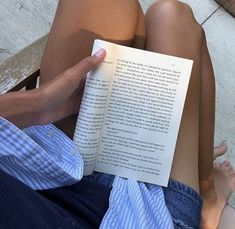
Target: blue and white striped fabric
column 43, row 157
column 138, row 205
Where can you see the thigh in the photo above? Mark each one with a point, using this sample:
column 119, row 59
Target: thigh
column 77, row 23
column 172, row 29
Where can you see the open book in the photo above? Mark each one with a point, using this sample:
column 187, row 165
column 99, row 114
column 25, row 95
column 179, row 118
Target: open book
column 130, row 113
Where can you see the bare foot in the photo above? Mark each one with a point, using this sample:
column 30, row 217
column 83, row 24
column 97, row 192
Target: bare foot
column 214, row 203
column 220, row 150
column 224, row 179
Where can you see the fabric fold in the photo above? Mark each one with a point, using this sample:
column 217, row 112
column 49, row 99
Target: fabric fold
column 138, row 205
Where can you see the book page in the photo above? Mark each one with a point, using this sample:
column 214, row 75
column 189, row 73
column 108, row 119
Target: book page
column 93, row 106
column 143, row 115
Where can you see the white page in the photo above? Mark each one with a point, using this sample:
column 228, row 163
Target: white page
column 143, row 115
column 93, row 106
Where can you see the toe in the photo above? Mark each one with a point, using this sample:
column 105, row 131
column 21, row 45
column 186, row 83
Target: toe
column 226, row 163
column 220, row 150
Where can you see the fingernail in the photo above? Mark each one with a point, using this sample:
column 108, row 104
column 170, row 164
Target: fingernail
column 100, row 53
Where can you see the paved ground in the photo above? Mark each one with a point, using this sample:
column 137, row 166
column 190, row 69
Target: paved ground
column 24, row 21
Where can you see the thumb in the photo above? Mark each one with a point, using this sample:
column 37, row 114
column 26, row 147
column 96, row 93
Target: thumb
column 89, row 63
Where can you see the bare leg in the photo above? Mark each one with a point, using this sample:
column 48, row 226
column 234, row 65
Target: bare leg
column 171, row 29
column 227, row 217
column 206, row 119
column 224, row 178
column 179, row 34
column 77, row 23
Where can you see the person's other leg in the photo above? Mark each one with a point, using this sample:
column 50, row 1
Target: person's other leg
column 171, row 29
column 224, row 179
column 206, row 121
column 77, row 23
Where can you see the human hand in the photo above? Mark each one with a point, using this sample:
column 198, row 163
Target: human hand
column 59, row 98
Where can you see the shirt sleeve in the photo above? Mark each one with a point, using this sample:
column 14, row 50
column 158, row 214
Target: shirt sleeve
column 42, row 157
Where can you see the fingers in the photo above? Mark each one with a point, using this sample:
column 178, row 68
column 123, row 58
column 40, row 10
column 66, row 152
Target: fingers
column 71, row 80
column 62, row 92
column 87, row 64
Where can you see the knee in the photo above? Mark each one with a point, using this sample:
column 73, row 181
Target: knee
column 170, row 8
column 171, row 11
column 173, row 14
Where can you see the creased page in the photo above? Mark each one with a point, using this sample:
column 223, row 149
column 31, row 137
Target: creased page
column 143, row 115
column 93, row 106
